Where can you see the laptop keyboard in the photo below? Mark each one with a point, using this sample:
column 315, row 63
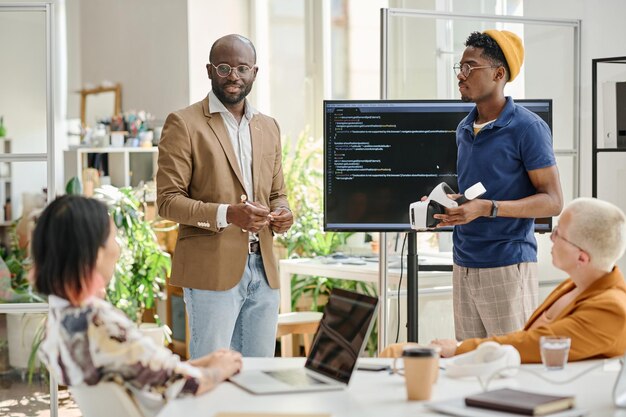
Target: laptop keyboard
column 297, row 378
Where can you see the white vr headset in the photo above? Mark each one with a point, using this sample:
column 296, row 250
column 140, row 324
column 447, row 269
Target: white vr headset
column 487, row 359
column 421, row 213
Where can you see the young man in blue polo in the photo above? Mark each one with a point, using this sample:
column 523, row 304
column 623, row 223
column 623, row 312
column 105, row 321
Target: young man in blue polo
column 508, row 149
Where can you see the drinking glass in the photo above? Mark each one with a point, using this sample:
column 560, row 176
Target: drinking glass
column 554, row 351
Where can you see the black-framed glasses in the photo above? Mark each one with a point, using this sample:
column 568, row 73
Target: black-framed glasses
column 224, row 70
column 466, row 69
column 555, row 235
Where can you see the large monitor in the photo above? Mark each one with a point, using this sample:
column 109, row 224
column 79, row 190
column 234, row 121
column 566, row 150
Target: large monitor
column 382, row 155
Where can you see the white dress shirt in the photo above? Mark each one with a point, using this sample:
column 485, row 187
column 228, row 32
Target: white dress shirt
column 239, row 134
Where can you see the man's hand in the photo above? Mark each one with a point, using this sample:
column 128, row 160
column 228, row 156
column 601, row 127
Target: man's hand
column 448, row 347
column 281, row 220
column 249, row 216
column 464, row 213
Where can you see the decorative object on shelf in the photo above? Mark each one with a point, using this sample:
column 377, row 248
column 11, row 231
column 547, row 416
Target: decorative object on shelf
column 133, row 122
column 158, row 130
column 98, row 101
column 117, row 138
column 91, row 181
column 3, row 131
column 145, row 139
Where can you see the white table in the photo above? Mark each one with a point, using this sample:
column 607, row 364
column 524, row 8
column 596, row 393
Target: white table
column 26, row 308
column 379, row 394
column 430, row 282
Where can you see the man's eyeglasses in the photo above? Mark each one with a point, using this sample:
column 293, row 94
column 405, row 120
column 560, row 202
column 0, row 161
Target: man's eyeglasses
column 555, row 235
column 224, row 70
column 466, row 69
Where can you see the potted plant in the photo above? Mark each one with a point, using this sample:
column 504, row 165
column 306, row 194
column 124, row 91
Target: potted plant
column 140, row 273
column 302, row 170
column 15, row 288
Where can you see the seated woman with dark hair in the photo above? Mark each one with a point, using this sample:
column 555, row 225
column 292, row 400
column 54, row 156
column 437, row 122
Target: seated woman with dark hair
column 87, row 340
column 590, row 306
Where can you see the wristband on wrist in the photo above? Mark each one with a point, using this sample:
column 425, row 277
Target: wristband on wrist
column 494, row 209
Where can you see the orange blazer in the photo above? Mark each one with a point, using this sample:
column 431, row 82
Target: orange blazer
column 197, row 172
column 595, row 321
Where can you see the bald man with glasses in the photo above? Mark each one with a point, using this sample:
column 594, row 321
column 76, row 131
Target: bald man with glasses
column 220, row 177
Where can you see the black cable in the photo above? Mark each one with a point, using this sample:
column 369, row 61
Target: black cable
column 400, row 283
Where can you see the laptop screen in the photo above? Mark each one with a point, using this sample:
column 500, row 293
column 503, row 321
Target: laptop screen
column 342, row 334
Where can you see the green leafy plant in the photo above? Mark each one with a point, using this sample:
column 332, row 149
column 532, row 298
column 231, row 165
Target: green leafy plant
column 18, row 264
column 140, row 273
column 302, row 170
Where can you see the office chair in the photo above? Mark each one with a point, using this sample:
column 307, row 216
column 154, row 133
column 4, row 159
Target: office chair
column 104, row 400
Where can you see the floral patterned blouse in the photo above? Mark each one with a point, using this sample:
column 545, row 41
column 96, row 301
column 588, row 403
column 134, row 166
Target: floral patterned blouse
column 95, row 342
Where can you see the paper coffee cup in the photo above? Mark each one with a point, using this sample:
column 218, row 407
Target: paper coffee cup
column 421, row 368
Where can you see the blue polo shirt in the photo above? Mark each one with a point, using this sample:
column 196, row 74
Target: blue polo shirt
column 499, row 156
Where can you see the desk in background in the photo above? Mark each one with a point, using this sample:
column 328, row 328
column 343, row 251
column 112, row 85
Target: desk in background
column 434, row 286
column 378, row 394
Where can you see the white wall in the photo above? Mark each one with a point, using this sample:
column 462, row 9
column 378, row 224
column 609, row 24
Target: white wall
column 141, row 44
column 364, row 47
column 602, row 32
column 208, row 21
column 23, row 98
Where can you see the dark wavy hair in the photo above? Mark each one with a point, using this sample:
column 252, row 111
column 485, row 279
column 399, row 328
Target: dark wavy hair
column 65, row 244
column 491, row 49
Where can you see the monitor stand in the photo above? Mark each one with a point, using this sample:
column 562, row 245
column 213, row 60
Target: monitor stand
column 412, row 300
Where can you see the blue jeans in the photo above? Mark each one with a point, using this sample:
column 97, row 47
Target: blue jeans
column 243, row 318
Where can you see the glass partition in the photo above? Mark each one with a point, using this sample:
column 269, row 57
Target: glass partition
column 26, row 180
column 423, row 49
column 23, row 94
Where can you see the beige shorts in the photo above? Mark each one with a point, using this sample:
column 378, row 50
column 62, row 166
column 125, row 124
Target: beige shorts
column 493, row 301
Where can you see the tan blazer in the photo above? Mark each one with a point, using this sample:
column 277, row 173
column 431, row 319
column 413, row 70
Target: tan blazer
column 595, row 321
column 197, row 172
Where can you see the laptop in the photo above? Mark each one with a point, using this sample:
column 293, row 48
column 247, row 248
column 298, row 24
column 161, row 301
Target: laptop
column 339, row 341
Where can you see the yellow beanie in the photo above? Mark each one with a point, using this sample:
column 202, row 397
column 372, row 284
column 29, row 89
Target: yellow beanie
column 512, row 47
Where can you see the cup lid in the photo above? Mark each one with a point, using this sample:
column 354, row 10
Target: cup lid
column 417, row 352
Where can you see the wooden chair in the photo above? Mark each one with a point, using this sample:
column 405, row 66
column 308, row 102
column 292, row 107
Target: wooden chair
column 300, row 322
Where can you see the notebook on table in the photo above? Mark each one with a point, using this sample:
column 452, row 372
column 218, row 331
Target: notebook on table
column 339, row 341
column 508, row 403
column 520, row 402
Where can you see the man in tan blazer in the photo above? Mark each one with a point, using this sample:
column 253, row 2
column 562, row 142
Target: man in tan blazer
column 220, row 176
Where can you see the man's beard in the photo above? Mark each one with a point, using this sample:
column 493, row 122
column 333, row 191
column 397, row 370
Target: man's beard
column 229, row 99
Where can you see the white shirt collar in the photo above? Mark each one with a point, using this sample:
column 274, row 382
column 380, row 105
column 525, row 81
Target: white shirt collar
column 60, row 303
column 57, row 302
column 216, row 106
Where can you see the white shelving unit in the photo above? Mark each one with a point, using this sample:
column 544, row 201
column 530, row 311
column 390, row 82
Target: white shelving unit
column 127, row 166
